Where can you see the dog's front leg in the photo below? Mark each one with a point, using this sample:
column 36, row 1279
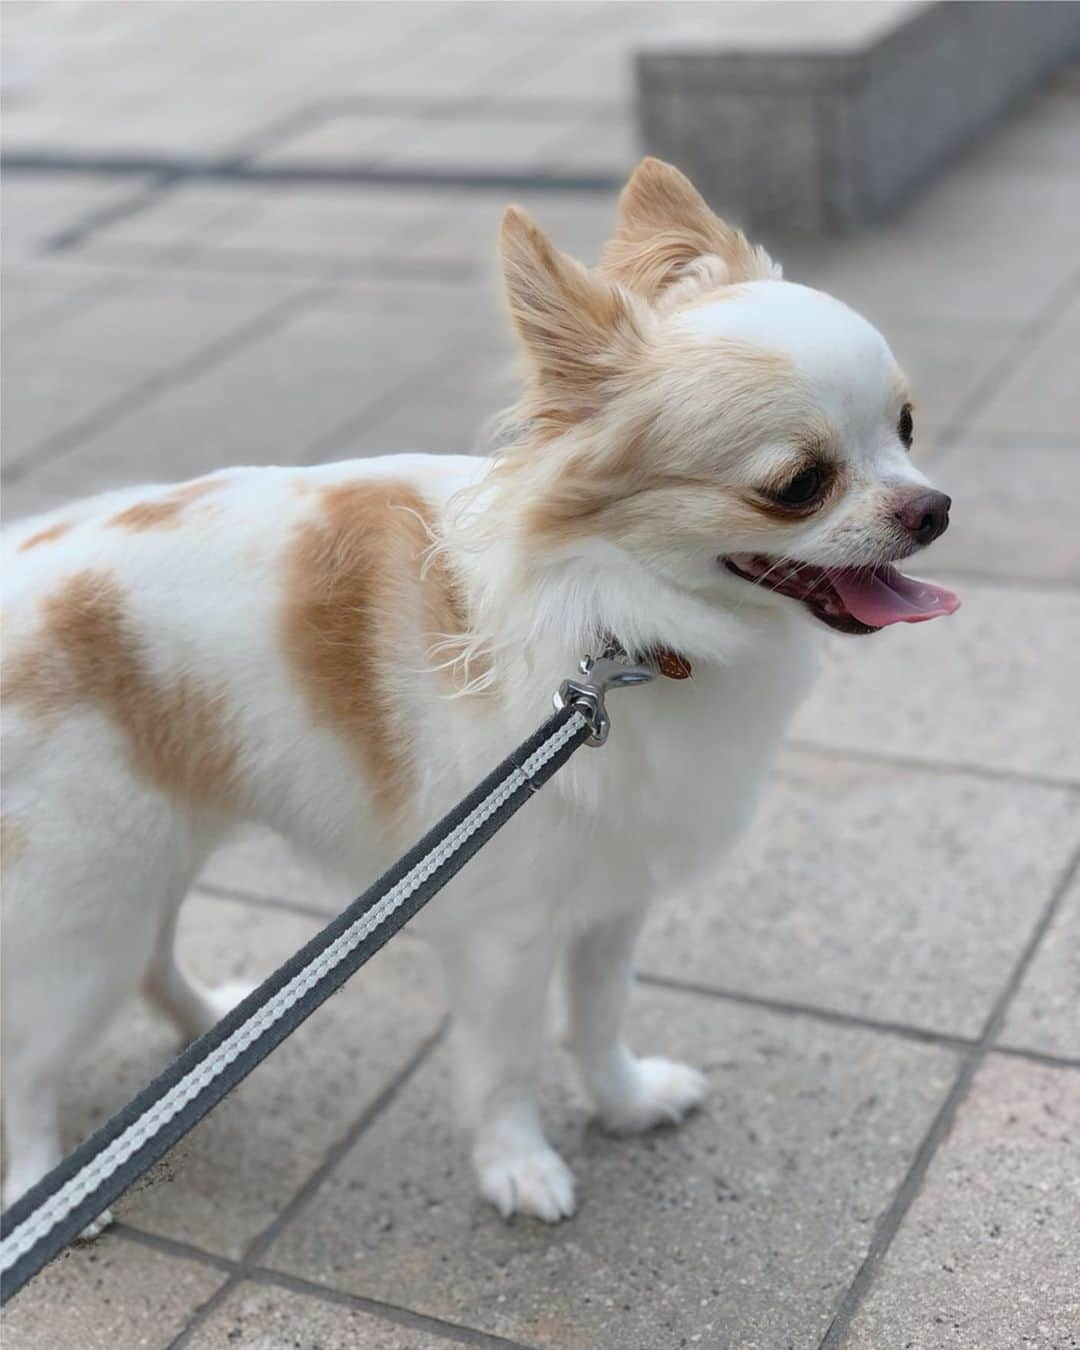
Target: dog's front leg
column 497, row 982
column 630, row 1094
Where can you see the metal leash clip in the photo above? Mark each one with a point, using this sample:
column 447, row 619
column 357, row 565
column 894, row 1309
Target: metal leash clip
column 587, row 696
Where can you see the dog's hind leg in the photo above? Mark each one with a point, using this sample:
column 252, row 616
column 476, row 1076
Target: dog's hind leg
column 84, row 903
column 193, row 1006
column 64, row 978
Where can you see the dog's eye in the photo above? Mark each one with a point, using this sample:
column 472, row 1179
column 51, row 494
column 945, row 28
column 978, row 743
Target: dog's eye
column 905, row 428
column 802, row 490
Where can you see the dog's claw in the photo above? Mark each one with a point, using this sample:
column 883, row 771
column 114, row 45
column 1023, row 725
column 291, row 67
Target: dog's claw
column 538, row 1183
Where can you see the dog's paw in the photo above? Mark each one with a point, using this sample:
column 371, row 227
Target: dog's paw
column 662, row 1092
column 223, row 998
column 214, row 1003
column 537, row 1183
column 96, row 1227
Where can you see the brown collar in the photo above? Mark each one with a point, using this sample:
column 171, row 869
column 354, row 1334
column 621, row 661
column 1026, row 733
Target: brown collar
column 670, row 663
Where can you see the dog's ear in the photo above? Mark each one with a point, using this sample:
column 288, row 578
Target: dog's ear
column 667, row 234
column 578, row 327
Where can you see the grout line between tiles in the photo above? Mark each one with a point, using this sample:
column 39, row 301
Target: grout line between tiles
column 390, row 1312
column 1044, row 1057
column 654, row 979
column 942, row 1123
column 935, row 766
column 333, row 1156
column 166, row 173
column 791, row 1008
column 297, row 907
column 187, row 1251
column 230, row 260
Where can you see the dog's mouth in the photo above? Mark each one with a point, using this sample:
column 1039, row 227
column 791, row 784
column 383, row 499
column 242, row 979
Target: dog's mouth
column 849, row 599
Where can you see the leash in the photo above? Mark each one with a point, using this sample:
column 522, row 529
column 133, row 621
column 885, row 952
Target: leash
column 41, row 1223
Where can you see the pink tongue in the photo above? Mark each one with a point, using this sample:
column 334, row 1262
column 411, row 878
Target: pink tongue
column 885, row 596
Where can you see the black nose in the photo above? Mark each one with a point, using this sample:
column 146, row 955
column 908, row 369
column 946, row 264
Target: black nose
column 925, row 516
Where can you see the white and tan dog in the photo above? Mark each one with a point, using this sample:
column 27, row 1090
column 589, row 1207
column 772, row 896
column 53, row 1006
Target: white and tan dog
column 709, row 465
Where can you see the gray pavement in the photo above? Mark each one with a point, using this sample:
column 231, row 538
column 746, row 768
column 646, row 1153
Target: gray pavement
column 882, row 984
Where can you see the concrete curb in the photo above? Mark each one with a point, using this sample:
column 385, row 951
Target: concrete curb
column 832, row 138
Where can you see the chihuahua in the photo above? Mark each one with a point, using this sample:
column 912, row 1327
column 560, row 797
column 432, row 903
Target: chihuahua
column 707, row 470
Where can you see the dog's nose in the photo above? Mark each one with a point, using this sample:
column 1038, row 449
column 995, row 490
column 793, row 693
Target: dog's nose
column 925, row 516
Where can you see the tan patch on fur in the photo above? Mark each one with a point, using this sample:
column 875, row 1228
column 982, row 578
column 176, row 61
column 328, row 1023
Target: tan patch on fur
column 46, row 536
column 355, row 599
column 12, row 841
column 88, row 654
column 665, row 228
column 604, row 492
column 164, row 512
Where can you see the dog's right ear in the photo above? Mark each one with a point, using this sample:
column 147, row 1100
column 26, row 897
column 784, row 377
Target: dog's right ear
column 666, row 228
column 578, row 327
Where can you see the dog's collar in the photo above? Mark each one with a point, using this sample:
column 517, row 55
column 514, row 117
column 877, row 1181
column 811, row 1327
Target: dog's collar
column 668, row 662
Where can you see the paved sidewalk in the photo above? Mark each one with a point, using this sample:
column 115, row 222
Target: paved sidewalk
column 883, row 984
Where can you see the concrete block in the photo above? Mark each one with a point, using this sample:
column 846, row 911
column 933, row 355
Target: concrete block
column 836, row 131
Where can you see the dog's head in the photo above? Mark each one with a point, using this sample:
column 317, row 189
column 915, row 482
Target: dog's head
column 693, row 417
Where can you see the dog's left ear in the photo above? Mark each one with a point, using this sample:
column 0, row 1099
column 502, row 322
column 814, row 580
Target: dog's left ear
column 667, row 234
column 578, row 327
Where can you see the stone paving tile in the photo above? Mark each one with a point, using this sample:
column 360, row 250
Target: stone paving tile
column 32, row 292
column 998, row 686
column 1045, row 1014
column 340, row 138
column 225, row 1182
column 876, row 890
column 1042, row 135
column 472, row 143
column 987, row 1255
column 742, row 1228
column 264, row 1317
column 454, row 416
column 312, row 373
column 980, row 249
column 1015, row 515
column 946, row 370
column 109, row 1295
column 57, row 376
column 598, row 146
column 42, row 398
column 153, row 326
column 469, row 227
column 1041, row 398
column 486, row 48
column 185, row 218
column 352, row 222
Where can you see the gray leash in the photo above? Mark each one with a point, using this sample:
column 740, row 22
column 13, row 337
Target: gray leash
column 41, row 1223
